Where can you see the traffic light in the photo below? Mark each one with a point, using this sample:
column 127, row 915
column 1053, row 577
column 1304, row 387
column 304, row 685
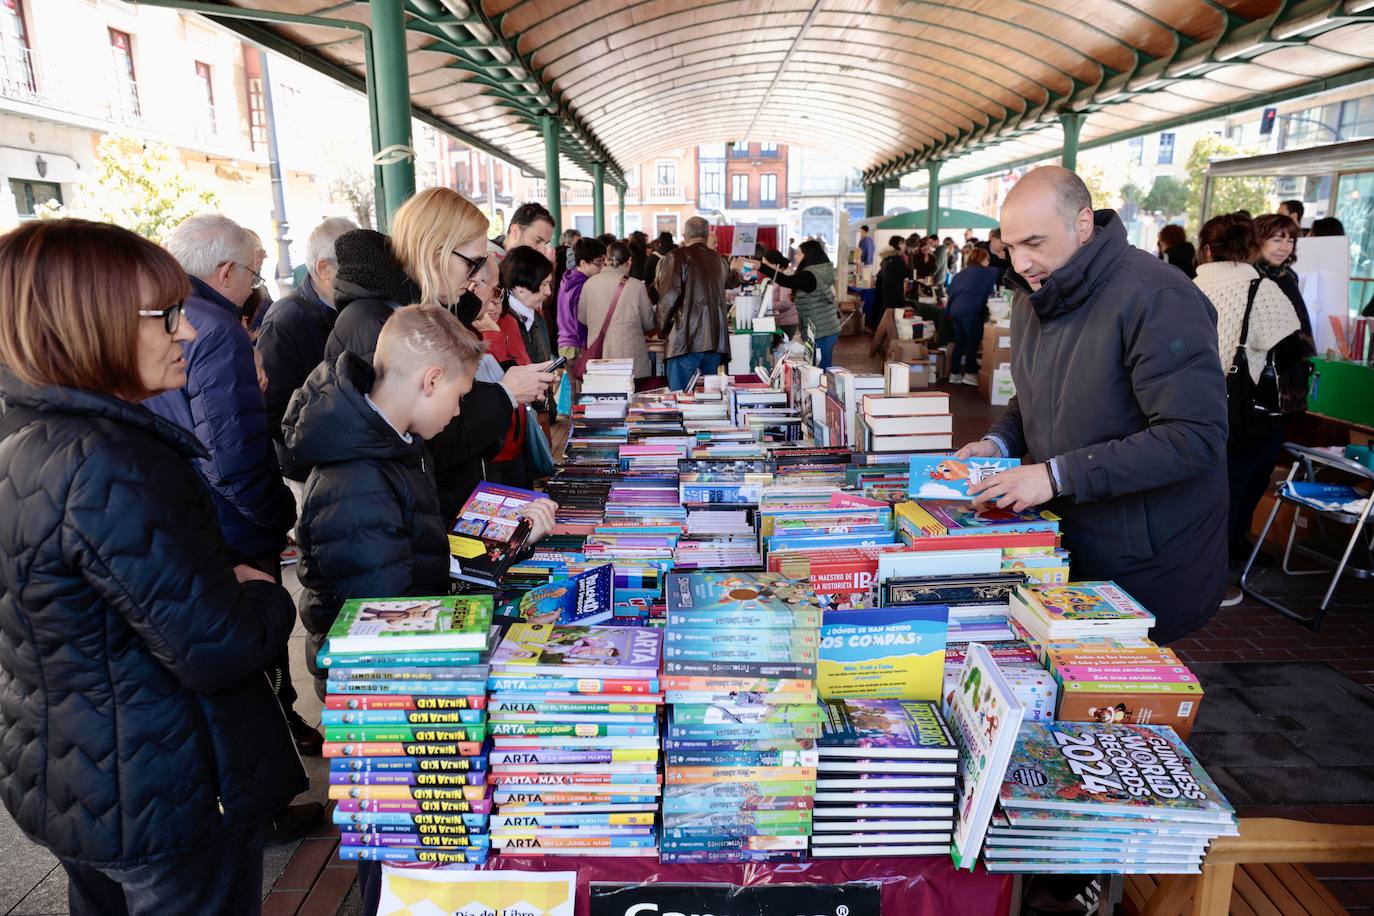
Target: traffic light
column 1267, row 121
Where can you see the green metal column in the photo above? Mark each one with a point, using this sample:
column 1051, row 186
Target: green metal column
column 551, row 179
column 392, row 89
column 1072, row 122
column 598, row 198
column 620, row 195
column 933, row 199
column 876, row 198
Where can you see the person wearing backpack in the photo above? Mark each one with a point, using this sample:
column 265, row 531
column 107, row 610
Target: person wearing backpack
column 1254, row 317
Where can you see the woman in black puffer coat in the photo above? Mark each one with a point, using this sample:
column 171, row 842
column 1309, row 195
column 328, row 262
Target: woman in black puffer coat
column 140, row 741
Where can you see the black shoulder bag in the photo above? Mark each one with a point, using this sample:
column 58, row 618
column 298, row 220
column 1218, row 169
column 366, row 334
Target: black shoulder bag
column 1253, row 408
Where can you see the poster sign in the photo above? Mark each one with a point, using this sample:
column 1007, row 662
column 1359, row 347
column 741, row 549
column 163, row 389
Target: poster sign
column 477, row 893
column 855, row 899
column 746, row 238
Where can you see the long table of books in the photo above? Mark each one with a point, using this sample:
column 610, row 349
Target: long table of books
column 744, row 659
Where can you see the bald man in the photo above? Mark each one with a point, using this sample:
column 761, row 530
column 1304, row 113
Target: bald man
column 1120, row 407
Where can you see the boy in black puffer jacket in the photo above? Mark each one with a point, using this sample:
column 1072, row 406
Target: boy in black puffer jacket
column 370, row 523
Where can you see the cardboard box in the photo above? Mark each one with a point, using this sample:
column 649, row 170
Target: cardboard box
column 918, row 376
column 944, row 358
column 906, row 351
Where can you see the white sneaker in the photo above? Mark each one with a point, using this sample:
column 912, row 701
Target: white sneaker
column 1233, row 597
column 970, row 380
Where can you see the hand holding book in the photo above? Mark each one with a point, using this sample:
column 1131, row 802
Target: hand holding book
column 541, row 517
column 1017, row 489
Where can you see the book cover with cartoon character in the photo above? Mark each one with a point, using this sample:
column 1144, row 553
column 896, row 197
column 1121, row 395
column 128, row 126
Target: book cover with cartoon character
column 947, row 477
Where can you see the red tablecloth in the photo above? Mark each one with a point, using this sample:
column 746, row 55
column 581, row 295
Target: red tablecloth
column 929, row 886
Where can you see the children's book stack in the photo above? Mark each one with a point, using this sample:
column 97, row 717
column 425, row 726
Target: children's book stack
column 1101, row 681
column 574, row 759
column 886, row 780
column 405, row 726
column 739, row 673
column 1090, row 798
column 1079, row 610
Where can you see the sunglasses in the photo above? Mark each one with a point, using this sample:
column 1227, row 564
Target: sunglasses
column 474, row 264
column 171, row 316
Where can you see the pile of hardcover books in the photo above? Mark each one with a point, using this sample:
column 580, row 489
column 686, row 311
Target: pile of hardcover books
column 739, row 673
column 1079, row 610
column 405, row 725
column 574, row 761
column 1095, row 798
column 885, row 785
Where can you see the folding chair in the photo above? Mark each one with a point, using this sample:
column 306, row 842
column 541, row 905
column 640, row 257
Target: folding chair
column 1328, row 550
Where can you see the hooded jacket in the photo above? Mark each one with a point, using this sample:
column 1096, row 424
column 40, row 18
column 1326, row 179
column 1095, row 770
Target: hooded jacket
column 1118, row 380
column 571, row 331
column 135, row 719
column 370, row 523
column 365, row 257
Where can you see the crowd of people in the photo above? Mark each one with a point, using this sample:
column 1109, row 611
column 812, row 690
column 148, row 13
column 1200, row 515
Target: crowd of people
column 166, row 431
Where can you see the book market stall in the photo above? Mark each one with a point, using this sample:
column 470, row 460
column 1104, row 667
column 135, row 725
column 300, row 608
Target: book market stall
column 770, row 642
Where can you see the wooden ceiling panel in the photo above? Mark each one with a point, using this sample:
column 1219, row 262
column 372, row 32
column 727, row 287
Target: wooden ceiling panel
column 1304, row 62
column 1251, row 77
column 1355, row 40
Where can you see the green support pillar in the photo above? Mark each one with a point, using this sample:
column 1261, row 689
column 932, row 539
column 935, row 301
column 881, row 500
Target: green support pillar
column 877, row 196
column 392, row 91
column 1072, row 122
column 551, row 179
column 620, row 195
column 933, row 199
column 598, row 198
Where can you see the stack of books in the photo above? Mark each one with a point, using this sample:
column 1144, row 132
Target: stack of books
column 405, row 726
column 1092, row 798
column 1079, row 610
column 609, row 376
column 929, row 518
column 919, row 421
column 1101, row 681
column 575, row 746
column 885, row 785
column 739, row 673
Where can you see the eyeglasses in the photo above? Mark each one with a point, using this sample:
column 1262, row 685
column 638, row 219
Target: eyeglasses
column 475, row 265
column 171, row 316
column 257, row 281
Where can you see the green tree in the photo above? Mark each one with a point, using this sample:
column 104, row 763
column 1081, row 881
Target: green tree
column 138, row 185
column 1168, row 196
column 354, row 189
column 1228, row 194
column 1132, row 193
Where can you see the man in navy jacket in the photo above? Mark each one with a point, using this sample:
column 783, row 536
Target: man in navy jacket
column 222, row 404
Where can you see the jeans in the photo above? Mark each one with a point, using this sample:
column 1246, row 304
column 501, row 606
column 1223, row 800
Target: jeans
column 220, row 880
column 680, row 368
column 825, row 350
column 968, row 336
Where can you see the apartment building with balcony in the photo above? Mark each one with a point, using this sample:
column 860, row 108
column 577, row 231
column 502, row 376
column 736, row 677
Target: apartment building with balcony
column 72, row 71
column 756, row 183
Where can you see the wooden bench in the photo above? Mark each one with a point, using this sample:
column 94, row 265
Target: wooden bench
column 1257, row 873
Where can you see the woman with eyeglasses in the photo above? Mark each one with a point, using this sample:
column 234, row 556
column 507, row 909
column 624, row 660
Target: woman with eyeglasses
column 140, row 741
column 438, row 245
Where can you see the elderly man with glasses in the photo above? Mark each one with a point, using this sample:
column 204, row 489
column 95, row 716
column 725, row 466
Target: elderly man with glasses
column 223, row 405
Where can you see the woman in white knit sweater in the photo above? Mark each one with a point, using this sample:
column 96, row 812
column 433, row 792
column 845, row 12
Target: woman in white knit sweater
column 1226, row 252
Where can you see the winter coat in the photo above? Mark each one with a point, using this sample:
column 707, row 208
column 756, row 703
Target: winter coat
column 571, row 331
column 222, row 404
column 477, row 433
column 893, row 273
column 135, row 720
column 371, row 525
column 691, row 282
column 970, row 290
column 1118, row 380
column 1288, row 282
column 816, row 306
column 634, row 317
column 1184, row 257
column 291, row 344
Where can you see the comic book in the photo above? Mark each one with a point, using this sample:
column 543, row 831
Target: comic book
column 535, row 649
column 737, row 593
column 489, row 533
column 947, row 477
column 885, row 729
column 1079, row 609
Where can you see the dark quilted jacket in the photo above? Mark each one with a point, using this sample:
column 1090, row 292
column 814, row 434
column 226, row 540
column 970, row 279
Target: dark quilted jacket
column 135, row 720
column 223, row 406
column 291, row 344
column 370, row 525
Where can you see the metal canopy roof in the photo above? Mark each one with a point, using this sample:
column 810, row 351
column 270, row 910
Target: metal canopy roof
column 1354, row 156
column 889, row 85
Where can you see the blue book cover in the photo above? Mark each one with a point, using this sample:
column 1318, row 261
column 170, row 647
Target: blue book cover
column 895, row 653
column 738, row 592
column 947, row 477
column 586, row 598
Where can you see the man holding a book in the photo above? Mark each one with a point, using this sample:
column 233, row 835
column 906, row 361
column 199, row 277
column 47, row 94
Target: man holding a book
column 1120, row 407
